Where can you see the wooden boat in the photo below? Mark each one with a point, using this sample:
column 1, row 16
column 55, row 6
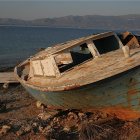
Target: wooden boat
column 100, row 71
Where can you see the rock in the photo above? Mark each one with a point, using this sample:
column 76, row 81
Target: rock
column 72, row 115
column 40, row 128
column 99, row 115
column 34, row 124
column 2, row 107
column 47, row 115
column 28, row 128
column 6, row 85
column 41, row 106
column 47, row 130
column 48, row 127
column 81, row 116
column 66, row 129
column 38, row 104
column 4, row 129
column 24, row 130
column 91, row 121
column 20, row 132
column 35, row 127
column 55, row 119
column 104, row 115
column 44, row 116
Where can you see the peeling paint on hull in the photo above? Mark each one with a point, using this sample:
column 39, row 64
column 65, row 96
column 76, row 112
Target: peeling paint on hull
column 121, row 92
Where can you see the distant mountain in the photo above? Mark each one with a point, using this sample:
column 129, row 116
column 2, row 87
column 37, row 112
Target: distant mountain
column 10, row 21
column 125, row 22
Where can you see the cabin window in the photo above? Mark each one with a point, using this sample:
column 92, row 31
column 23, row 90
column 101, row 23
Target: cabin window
column 106, row 44
column 73, row 57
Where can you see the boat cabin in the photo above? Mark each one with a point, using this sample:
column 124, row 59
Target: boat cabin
column 63, row 57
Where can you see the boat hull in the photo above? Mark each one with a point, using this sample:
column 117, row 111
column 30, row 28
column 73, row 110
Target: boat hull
column 120, row 91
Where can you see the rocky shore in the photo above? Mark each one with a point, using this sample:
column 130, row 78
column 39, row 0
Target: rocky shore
column 21, row 119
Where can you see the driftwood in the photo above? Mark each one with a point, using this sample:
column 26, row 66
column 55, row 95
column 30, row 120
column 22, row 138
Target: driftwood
column 6, row 78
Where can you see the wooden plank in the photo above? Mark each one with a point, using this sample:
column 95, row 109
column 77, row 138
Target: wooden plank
column 93, row 48
column 63, row 58
column 37, row 69
column 48, row 67
column 8, row 77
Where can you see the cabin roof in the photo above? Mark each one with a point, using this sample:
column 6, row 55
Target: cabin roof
column 69, row 44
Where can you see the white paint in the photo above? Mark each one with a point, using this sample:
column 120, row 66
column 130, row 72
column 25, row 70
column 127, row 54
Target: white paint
column 37, row 69
column 93, row 49
column 48, row 67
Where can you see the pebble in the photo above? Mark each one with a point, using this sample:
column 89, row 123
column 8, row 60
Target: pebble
column 23, row 130
column 55, row 119
column 66, row 129
column 38, row 104
column 34, row 124
column 72, row 115
column 47, row 129
column 28, row 128
column 47, row 115
column 44, row 116
column 81, row 115
column 4, row 129
column 40, row 128
column 20, row 132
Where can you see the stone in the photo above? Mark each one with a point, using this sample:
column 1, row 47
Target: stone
column 38, row 104
column 23, row 130
column 6, row 85
column 66, row 129
column 44, row 116
column 34, row 124
column 28, row 128
column 47, row 130
column 81, row 115
column 55, row 119
column 2, row 107
column 72, row 115
column 4, row 129
column 40, row 128
column 20, row 132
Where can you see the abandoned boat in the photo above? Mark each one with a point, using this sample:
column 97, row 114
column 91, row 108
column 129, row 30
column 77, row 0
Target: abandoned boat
column 100, row 71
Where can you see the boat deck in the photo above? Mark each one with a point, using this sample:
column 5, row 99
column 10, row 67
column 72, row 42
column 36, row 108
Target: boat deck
column 94, row 70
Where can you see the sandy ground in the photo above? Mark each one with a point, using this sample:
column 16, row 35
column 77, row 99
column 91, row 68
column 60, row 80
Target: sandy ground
column 20, row 119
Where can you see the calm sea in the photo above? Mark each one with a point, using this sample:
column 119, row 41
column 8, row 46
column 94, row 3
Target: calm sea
column 18, row 43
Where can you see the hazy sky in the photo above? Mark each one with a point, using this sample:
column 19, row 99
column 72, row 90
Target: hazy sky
column 32, row 9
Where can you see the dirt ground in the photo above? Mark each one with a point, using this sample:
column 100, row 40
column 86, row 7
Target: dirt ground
column 20, row 119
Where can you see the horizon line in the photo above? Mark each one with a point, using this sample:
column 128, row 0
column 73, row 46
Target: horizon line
column 69, row 16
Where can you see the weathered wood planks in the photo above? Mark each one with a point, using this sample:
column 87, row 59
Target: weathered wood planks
column 107, row 65
column 7, row 77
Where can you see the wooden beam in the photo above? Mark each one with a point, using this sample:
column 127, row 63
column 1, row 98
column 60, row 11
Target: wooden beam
column 93, row 49
column 7, row 77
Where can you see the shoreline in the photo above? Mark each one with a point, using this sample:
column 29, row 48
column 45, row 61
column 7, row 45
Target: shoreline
column 77, row 28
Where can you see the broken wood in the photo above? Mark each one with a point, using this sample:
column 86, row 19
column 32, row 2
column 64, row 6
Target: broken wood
column 6, row 78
